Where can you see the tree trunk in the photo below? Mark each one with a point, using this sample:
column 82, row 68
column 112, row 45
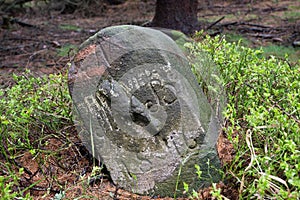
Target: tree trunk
column 178, row 15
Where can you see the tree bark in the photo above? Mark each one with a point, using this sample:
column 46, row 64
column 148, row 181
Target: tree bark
column 178, row 15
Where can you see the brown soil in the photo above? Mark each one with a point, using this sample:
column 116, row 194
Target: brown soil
column 36, row 48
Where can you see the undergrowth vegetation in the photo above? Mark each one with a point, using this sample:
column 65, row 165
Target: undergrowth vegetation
column 32, row 110
column 262, row 120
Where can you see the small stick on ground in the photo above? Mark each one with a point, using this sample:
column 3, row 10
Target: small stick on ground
column 214, row 23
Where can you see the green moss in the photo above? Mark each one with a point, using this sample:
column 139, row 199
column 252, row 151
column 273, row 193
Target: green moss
column 66, row 49
column 292, row 16
column 69, row 27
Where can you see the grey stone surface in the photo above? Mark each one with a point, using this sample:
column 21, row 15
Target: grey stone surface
column 141, row 112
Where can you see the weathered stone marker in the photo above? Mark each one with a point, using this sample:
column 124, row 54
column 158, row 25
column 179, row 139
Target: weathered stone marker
column 141, row 112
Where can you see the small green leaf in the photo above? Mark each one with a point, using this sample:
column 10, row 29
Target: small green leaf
column 185, row 187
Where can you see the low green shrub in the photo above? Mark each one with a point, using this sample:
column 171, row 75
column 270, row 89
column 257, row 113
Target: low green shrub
column 31, row 110
column 262, row 117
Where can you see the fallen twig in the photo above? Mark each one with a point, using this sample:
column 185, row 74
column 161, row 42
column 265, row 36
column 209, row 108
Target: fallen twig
column 21, row 23
column 261, row 35
column 285, row 112
column 257, row 27
column 214, row 23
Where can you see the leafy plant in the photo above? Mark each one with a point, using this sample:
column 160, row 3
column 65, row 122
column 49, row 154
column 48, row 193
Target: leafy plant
column 7, row 183
column 262, row 117
column 32, row 109
column 6, row 192
column 192, row 194
column 33, row 103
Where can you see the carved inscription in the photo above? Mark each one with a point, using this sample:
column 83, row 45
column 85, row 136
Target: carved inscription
column 143, row 110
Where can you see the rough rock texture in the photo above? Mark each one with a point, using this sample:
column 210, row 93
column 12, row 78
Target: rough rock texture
column 141, row 112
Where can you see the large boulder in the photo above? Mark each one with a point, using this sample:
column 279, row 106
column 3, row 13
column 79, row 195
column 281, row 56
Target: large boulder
column 140, row 111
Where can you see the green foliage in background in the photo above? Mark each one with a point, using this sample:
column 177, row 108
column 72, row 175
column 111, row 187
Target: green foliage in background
column 262, row 118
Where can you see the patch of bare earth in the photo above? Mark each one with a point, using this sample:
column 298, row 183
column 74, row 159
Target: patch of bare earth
column 63, row 164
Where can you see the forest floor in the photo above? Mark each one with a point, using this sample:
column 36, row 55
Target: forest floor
column 43, row 40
